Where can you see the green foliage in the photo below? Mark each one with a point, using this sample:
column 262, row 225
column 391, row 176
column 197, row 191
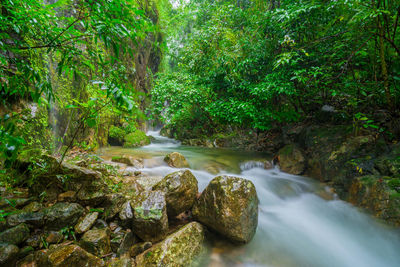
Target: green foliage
column 135, row 139
column 68, row 232
column 116, row 132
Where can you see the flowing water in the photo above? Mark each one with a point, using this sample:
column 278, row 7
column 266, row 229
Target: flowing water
column 300, row 222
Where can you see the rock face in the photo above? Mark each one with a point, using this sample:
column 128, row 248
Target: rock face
column 15, row 235
column 150, row 220
column 291, row 160
column 97, row 241
column 62, row 214
column 180, row 191
column 72, row 255
column 86, row 222
column 178, row 249
column 229, row 205
column 176, row 160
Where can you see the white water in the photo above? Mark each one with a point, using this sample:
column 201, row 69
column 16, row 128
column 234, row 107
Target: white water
column 296, row 227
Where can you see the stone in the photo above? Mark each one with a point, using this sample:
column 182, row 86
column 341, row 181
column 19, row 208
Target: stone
column 33, row 218
column 72, row 255
column 136, row 249
column 292, row 160
column 93, row 194
column 122, row 262
column 54, row 237
column 33, row 207
column 150, row 220
column 86, row 222
column 68, row 196
column 126, row 214
column 177, row 160
column 97, row 241
column 15, row 235
column 180, row 190
column 229, row 205
column 23, row 252
column 148, row 182
column 34, row 241
column 127, row 242
column 16, row 202
column 130, row 161
column 178, row 249
column 113, row 205
column 8, row 252
column 100, row 224
column 62, row 214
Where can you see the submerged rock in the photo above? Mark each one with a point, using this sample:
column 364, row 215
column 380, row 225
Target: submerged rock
column 97, row 241
column 178, row 249
column 62, row 214
column 150, row 220
column 86, row 222
column 180, row 191
column 229, row 205
column 15, row 235
column 292, row 160
column 176, row 160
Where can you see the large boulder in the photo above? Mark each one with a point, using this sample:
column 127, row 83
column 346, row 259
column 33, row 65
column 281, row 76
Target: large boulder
column 150, row 220
column 229, row 205
column 72, row 255
column 180, row 191
column 97, row 241
column 34, row 218
column 62, row 214
column 15, row 235
column 176, row 160
column 292, row 160
column 178, row 249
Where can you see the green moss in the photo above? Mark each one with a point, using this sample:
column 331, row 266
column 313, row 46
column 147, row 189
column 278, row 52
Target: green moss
column 116, row 132
column 135, row 139
column 116, row 158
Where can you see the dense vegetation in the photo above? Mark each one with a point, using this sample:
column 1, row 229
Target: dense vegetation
column 257, row 65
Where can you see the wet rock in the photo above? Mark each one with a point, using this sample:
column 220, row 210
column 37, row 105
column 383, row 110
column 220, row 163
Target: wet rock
column 229, row 205
column 33, row 218
column 178, row 249
column 97, row 241
column 15, row 235
column 72, row 255
column 62, row 214
column 100, row 224
column 150, row 220
column 130, row 161
column 86, row 222
column 176, row 160
column 292, row 160
column 33, row 207
column 123, row 262
column 54, row 237
column 139, row 248
column 180, row 190
column 68, row 196
column 8, row 252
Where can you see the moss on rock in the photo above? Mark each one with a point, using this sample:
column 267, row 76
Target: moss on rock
column 136, row 139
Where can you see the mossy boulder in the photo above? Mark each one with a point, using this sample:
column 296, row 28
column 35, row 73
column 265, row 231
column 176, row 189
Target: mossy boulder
column 176, row 160
column 291, row 159
column 181, row 248
column 15, row 235
column 33, row 218
column 130, row 161
column 86, row 222
column 71, row 255
column 8, row 253
column 97, row 241
column 62, row 214
column 116, row 136
column 150, row 220
column 180, row 191
column 136, row 139
column 229, row 205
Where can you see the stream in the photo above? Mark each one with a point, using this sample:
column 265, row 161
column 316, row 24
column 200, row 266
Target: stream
column 301, row 223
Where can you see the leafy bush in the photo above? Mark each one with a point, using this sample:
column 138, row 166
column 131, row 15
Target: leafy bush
column 135, row 139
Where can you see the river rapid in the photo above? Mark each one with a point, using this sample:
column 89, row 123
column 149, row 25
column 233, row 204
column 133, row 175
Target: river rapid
column 300, row 223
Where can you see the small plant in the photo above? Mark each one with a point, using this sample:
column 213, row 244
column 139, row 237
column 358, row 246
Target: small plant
column 44, row 242
column 68, row 232
column 360, row 121
column 96, row 210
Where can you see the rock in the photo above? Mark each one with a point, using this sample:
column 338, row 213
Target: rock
column 136, row 139
column 35, row 259
column 33, row 207
column 16, row 202
column 68, row 196
column 23, row 252
column 8, row 252
column 100, row 224
column 139, row 248
column 33, row 218
column 113, row 205
column 126, row 214
column 34, row 241
column 147, row 182
column 180, row 190
column 128, row 241
column 54, row 237
column 93, row 194
column 72, row 255
column 229, row 205
column 123, row 262
column 86, row 222
column 130, row 161
column 62, row 214
column 15, row 235
column 178, row 249
column 176, row 160
column 97, row 241
column 292, row 160
column 150, row 220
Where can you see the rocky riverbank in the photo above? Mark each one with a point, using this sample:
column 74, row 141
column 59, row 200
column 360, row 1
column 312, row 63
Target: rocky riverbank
column 91, row 212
